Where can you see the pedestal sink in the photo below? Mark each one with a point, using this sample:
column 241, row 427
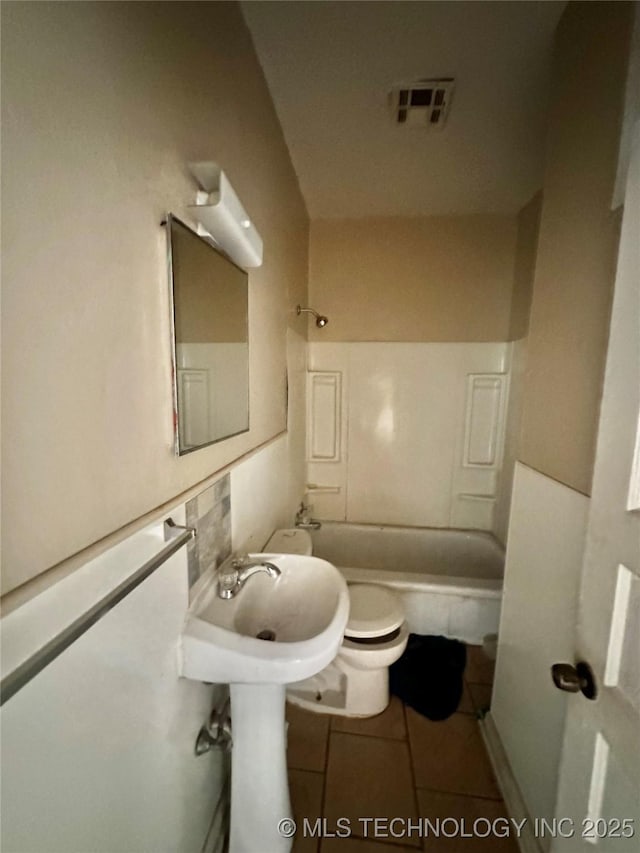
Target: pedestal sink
column 275, row 631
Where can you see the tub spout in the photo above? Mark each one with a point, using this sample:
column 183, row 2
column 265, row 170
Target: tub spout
column 304, row 520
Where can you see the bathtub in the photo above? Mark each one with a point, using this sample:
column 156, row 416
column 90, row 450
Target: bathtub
column 450, row 581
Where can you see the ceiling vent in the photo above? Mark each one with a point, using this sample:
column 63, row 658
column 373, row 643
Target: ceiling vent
column 424, row 103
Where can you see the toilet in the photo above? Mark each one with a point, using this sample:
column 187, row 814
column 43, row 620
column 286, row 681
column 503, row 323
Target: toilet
column 356, row 682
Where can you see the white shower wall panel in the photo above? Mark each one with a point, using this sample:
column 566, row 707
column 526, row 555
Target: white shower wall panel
column 405, row 413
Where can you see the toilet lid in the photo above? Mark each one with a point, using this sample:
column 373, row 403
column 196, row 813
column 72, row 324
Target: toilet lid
column 374, row 611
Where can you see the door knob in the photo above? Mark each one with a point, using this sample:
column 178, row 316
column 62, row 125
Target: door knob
column 574, row 679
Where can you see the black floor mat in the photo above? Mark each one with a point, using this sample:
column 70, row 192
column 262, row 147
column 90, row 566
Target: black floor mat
column 428, row 676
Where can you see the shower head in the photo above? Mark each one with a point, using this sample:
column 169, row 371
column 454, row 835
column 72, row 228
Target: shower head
column 321, row 320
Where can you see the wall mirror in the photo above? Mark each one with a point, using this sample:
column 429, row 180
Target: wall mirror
column 210, row 297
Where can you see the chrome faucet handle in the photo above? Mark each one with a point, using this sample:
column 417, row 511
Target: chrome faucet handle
column 227, row 584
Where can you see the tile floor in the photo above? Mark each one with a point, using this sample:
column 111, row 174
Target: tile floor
column 400, row 765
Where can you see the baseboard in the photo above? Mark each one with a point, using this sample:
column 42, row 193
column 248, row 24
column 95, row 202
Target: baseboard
column 513, row 799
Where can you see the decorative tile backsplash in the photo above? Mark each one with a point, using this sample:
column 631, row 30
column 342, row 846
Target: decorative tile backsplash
column 210, row 514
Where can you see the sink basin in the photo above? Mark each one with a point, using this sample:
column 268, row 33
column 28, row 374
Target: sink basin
column 274, row 631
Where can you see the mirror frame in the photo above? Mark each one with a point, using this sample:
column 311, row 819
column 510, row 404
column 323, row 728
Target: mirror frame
column 167, row 222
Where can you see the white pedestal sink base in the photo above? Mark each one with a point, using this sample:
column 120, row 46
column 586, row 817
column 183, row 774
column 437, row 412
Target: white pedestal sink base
column 259, row 783
column 306, row 610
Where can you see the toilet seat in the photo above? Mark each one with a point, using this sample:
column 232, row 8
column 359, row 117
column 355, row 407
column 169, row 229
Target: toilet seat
column 376, row 612
column 373, row 641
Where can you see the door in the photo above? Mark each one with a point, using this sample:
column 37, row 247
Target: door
column 598, row 805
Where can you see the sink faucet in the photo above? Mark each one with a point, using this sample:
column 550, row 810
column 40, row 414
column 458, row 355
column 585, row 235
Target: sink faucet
column 231, row 582
column 304, row 520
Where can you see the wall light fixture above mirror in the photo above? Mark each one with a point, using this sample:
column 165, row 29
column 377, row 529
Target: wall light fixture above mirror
column 221, row 216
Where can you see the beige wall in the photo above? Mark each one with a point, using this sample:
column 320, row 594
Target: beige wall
column 209, row 292
column 413, row 279
column 103, row 106
column 524, row 269
column 577, row 244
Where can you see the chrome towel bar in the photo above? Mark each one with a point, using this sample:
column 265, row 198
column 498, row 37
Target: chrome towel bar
column 175, row 535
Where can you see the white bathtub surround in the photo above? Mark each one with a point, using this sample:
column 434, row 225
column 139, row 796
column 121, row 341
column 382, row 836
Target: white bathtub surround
column 98, row 747
column 406, row 433
column 542, row 572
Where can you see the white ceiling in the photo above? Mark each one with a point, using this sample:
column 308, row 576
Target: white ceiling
column 330, row 66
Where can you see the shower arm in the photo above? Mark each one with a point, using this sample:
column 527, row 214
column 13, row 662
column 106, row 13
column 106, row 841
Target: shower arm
column 321, row 320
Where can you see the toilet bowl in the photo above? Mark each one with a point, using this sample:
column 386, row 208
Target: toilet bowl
column 356, row 682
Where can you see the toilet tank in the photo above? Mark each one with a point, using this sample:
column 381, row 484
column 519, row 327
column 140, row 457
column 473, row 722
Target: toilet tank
column 290, row 541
